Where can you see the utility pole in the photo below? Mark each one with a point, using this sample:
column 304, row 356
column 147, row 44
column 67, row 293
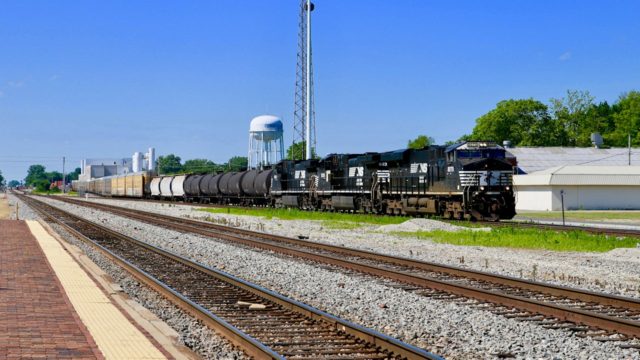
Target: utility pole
column 64, row 176
column 562, row 202
column 304, row 123
column 308, row 82
column 629, row 148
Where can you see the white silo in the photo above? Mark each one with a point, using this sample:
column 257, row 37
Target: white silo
column 136, row 164
column 266, row 141
column 151, row 159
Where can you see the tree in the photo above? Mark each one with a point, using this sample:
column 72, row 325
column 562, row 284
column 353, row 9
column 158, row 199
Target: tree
column 169, row 164
column 41, row 185
column 73, row 175
column 200, row 166
column 297, row 151
column 14, row 183
column 420, row 142
column 53, row 176
column 237, row 163
column 35, row 173
column 1, row 179
column 524, row 122
column 599, row 119
column 570, row 113
column 626, row 117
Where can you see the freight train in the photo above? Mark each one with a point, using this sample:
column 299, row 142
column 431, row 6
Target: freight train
column 468, row 180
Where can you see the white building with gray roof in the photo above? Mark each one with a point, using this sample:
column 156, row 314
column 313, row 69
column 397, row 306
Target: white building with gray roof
column 531, row 159
column 583, row 187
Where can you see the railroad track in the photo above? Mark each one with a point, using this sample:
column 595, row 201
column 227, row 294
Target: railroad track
column 264, row 324
column 598, row 315
column 503, row 223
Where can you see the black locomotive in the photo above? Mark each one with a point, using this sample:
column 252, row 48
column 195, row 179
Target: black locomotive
column 469, row 180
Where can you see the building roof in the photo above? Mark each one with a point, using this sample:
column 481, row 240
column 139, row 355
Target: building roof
column 582, row 175
column 531, row 159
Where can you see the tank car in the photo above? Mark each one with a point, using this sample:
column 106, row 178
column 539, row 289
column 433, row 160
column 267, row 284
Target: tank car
column 177, row 187
column 165, row 187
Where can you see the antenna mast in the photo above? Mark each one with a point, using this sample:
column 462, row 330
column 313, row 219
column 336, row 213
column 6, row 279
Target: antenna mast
column 304, row 122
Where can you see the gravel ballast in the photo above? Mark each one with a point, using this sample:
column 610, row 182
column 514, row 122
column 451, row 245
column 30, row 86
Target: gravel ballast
column 615, row 272
column 443, row 327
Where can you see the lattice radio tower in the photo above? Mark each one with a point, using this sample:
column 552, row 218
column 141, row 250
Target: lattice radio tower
column 304, row 115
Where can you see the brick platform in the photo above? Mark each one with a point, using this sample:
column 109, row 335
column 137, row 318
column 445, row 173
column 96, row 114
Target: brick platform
column 116, row 336
column 36, row 318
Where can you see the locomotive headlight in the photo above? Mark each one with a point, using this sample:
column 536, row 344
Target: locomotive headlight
column 508, row 188
column 482, row 188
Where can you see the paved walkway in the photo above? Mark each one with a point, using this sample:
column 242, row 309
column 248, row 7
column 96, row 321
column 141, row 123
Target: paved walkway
column 50, row 307
column 36, row 319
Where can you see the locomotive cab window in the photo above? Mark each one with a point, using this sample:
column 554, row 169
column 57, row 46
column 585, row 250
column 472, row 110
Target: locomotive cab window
column 451, row 156
column 485, row 153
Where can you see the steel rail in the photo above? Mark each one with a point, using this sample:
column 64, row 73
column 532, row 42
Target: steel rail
column 501, row 223
column 202, row 228
column 252, row 346
column 627, row 327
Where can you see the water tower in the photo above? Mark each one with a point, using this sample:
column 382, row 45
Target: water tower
column 266, row 144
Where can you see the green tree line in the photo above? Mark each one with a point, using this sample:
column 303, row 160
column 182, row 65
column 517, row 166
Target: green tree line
column 38, row 177
column 567, row 121
column 172, row 164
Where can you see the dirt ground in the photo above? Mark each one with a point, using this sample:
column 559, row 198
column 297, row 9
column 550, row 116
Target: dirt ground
column 5, row 212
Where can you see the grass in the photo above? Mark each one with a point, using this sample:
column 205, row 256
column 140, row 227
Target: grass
column 70, row 193
column 330, row 220
column 341, row 225
column 582, row 215
column 510, row 237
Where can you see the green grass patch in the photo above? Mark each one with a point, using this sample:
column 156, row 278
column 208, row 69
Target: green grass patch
column 341, row 225
column 581, row 215
column 528, row 239
column 331, row 219
column 57, row 193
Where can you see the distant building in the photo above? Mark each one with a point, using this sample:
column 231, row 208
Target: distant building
column 531, row 159
column 584, row 187
column 56, row 184
column 98, row 168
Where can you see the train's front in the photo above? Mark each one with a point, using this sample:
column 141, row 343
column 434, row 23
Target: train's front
column 485, row 177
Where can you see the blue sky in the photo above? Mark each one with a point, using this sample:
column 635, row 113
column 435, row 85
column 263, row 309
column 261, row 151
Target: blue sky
column 107, row 78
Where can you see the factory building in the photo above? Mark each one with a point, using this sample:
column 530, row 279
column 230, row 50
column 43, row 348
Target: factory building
column 99, row 168
column 585, row 178
column 582, row 187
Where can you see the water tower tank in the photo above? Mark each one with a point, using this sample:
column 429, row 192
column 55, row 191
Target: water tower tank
column 266, row 145
column 267, row 127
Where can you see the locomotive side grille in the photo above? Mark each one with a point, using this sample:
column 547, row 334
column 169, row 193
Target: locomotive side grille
column 486, row 178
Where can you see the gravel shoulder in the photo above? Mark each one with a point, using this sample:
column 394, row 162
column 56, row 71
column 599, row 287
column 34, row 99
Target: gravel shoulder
column 5, row 212
column 615, row 272
column 451, row 329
